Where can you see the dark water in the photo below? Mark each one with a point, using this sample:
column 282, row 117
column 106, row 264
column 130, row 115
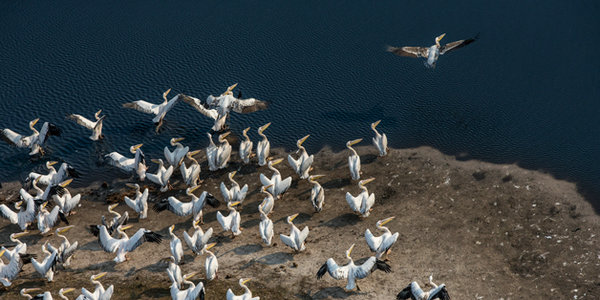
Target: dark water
column 527, row 92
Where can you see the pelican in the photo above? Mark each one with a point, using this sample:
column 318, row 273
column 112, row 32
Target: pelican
column 176, row 247
column 23, row 217
column 35, row 141
column 381, row 244
column 95, row 127
column 267, row 203
column 191, row 293
column 235, row 193
column 162, row 175
column 114, row 223
column 317, row 194
column 66, row 202
column 232, row 221
column 247, row 294
column 46, row 267
column 301, row 165
column 193, row 207
column 263, row 148
column 296, row 238
column 199, row 239
column 174, row 272
column 46, row 220
column 246, row 147
column 227, row 102
column 20, row 249
column 211, row 264
column 218, row 156
column 65, row 251
column 137, row 164
column 45, row 295
column 354, row 160
column 125, row 244
column 363, row 202
column 140, row 202
column 99, row 292
column 175, row 157
column 350, row 271
column 279, row 186
column 219, row 119
column 191, row 175
column 432, row 52
column 265, row 226
column 159, row 110
column 9, row 272
column 414, row 291
column 54, row 177
column 380, row 140
column 39, row 193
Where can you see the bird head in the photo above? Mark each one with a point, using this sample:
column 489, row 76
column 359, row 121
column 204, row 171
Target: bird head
column 112, row 206
column 231, row 174
column 245, row 131
column 17, row 235
column 190, row 190
column 300, row 141
column 244, row 280
column 275, row 161
column 66, row 182
column 134, row 148
column 315, row 177
column 176, row 140
column 232, row 204
column 385, row 221
column 18, row 204
column 156, row 161
column 365, row 181
column 64, row 229
column 439, row 38
column 374, row 124
column 29, row 290
column 98, row 276
column 2, row 252
column 353, row 142
column 189, row 275
column 171, row 228
column 291, row 218
column 265, row 188
column 192, row 153
column 264, row 127
column 223, row 136
column 123, row 228
column 210, row 246
column 349, row 251
column 132, row 185
column 65, row 290
column 165, row 94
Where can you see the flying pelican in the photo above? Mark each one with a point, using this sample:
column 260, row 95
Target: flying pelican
column 95, row 127
column 301, row 165
column 191, row 175
column 9, row 272
column 227, row 102
column 414, row 291
column 296, row 238
column 193, row 207
column 235, row 193
column 381, row 244
column 54, row 177
column 246, row 147
column 46, row 295
column 246, row 296
column 46, row 220
column 23, row 217
column 162, row 175
column 380, row 140
column 265, row 226
column 432, row 52
column 363, row 202
column 174, row 272
column 45, row 179
column 20, row 249
column 263, row 148
column 34, row 141
column 279, row 186
column 211, row 264
column 191, row 293
column 175, row 157
column 159, row 110
column 66, row 202
column 46, row 267
column 199, row 239
column 99, row 292
column 232, row 221
column 219, row 119
column 354, row 160
column 317, row 194
column 267, row 203
column 137, row 164
column 176, row 247
column 350, row 271
column 124, row 245
column 65, row 251
column 218, row 156
column 140, row 202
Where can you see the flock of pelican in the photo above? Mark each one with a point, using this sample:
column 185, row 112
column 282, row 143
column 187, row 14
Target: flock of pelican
column 111, row 232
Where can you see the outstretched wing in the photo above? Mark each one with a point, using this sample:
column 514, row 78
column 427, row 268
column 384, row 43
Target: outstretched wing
column 405, row 294
column 373, row 241
column 141, row 236
column 7, row 213
column 143, row 106
column 457, row 44
column 249, row 105
column 83, row 121
column 409, row 51
column 199, row 106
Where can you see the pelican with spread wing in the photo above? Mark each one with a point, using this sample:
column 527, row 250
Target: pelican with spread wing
column 175, row 157
column 232, row 221
column 317, row 193
column 219, row 120
column 94, row 126
column 66, row 201
column 268, row 202
column 218, row 156
column 246, row 147
column 380, row 140
column 99, row 292
column 191, row 293
column 226, row 102
column 9, row 272
column 24, row 216
column 279, row 186
column 46, row 220
column 263, row 148
column 140, row 202
column 296, row 238
column 364, row 201
column 199, row 239
column 193, row 207
column 414, row 291
column 433, row 52
column 137, row 163
column 35, row 141
column 54, row 177
column 235, row 193
column 46, row 267
column 247, row 293
column 383, row 243
column 162, row 175
column 65, row 251
column 191, row 174
column 301, row 165
column 159, row 110
column 123, row 245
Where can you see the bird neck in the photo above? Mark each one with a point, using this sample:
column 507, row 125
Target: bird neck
column 364, row 188
column 15, row 240
column 246, row 136
column 60, row 294
column 383, row 228
column 273, row 169
column 353, row 151
column 65, row 240
column 263, row 136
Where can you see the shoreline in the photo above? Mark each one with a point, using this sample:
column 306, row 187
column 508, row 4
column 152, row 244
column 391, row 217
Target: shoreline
column 481, row 228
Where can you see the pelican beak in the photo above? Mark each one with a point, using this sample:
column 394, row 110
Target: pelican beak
column 363, row 182
column 2, row 252
column 131, row 185
column 246, row 130
column 98, row 112
column 264, row 127
column 232, row 174
column 98, row 276
column 439, row 38
column 194, row 188
column 269, row 186
column 26, row 291
column 156, row 161
column 52, row 163
column 67, row 290
column 18, row 204
column 197, row 222
column 224, row 135
column 210, row 246
column 229, row 89
column 246, row 280
column 44, row 205
column 126, row 227
column 235, row 203
column 276, row 161
column 350, row 250
column 34, row 121
column 37, row 180
column 176, row 140
column 373, row 125
column 138, row 146
column 112, row 206
column 18, row 235
column 190, row 275
column 292, row 217
column 385, row 221
column 66, row 182
column 64, row 229
column 172, row 228
column 314, row 177
column 354, row 142
column 192, row 153
column 166, row 93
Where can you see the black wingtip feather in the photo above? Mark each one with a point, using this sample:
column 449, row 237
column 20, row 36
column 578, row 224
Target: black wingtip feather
column 160, row 206
column 405, row 294
column 94, row 230
column 212, row 201
column 62, row 216
column 322, row 271
column 54, row 130
column 153, row 237
column 73, row 173
column 383, row 266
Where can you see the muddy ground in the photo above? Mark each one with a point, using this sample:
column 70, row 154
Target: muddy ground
column 487, row 231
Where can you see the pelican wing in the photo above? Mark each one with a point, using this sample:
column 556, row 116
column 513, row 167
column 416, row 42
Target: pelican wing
column 107, row 242
column 143, row 106
column 409, row 51
column 120, row 161
column 439, row 292
column 289, row 241
column 365, row 269
column 52, row 218
column 206, row 236
column 47, row 130
column 141, row 236
column 405, row 293
column 225, row 221
column 180, row 208
column 388, row 242
column 266, row 182
column 303, row 234
column 13, row 268
column 48, row 262
column 83, row 121
column 67, row 253
column 197, row 104
column 15, row 138
column 249, row 105
column 373, row 241
column 7, row 213
column 335, row 271
column 266, row 230
column 227, row 194
column 354, row 202
column 457, row 44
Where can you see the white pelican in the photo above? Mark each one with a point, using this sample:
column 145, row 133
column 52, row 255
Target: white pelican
column 95, row 127
column 9, row 272
column 162, row 175
column 226, row 102
column 265, row 226
column 381, row 244
column 65, row 251
column 35, row 141
column 23, row 217
column 46, row 267
column 140, row 202
column 414, row 291
column 124, row 245
column 432, row 52
column 39, row 193
column 211, row 264
column 191, row 174
column 54, row 177
column 363, row 202
column 296, row 238
column 263, row 148
column 269, row 202
column 235, row 193
column 246, row 147
column 232, row 221
column 137, row 164
column 380, row 140
column 301, row 165
column 218, row 156
column 174, row 272
column 175, row 157
column 159, row 110
column 99, row 292
column 112, row 224
column 247, row 294
column 220, row 120
column 350, row 271
column 279, row 186
column 176, row 247
column 199, row 239
column 45, row 295
column 66, row 202
column 317, row 194
column 191, row 293
column 354, row 160
column 193, row 207
column 46, row 220
column 19, row 249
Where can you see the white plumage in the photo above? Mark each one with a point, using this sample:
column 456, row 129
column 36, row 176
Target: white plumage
column 122, row 246
column 265, row 227
column 175, row 157
column 268, row 203
column 66, row 202
column 296, row 238
column 232, row 221
column 65, row 251
column 45, row 268
column 198, row 241
column 193, row 207
column 140, row 203
column 235, row 193
column 218, row 156
column 94, row 126
column 317, row 194
column 46, row 220
column 158, row 110
column 263, row 148
column 301, row 165
column 162, row 175
column 279, row 186
column 99, row 292
column 136, row 164
column 23, row 217
column 176, row 247
column 211, row 264
column 380, row 140
column 246, row 147
column 362, row 203
column 381, row 244
column 191, row 174
column 247, row 293
column 354, row 160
